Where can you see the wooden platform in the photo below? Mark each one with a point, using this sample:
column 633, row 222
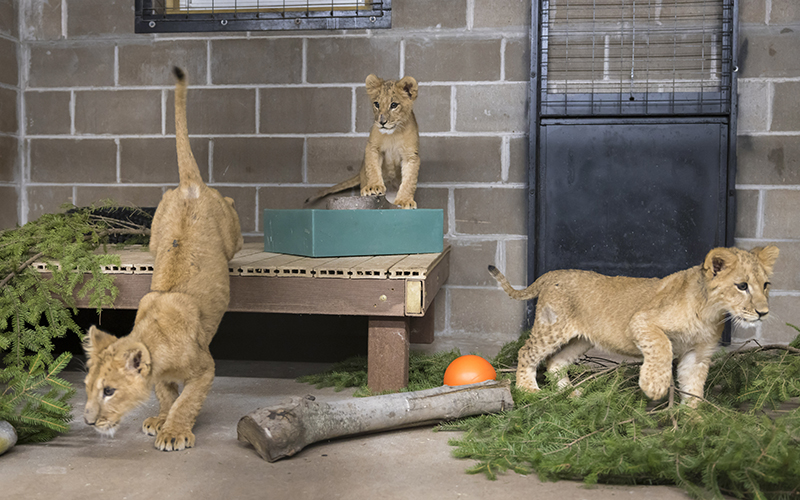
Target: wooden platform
column 395, row 292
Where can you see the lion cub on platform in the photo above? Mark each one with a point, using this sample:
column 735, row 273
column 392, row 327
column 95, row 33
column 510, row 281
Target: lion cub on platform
column 392, row 152
column 195, row 232
column 679, row 316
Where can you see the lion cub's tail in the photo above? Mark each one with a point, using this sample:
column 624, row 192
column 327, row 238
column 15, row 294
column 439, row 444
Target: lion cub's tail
column 349, row 183
column 187, row 166
column 529, row 293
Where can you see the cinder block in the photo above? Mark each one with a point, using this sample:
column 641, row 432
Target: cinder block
column 768, row 51
column 486, row 311
column 122, row 195
column 216, row 111
column 423, row 14
column 287, row 198
column 306, row 110
column 452, row 59
column 245, row 199
column 155, row 160
column 753, row 106
column 331, row 160
column 42, row 21
column 753, row 12
column 786, row 106
column 278, row 61
column 783, row 309
column 8, row 18
column 787, row 267
column 781, row 209
column 491, row 211
column 151, row 63
column 432, row 109
column 8, row 207
column 8, row 111
column 8, row 61
column 118, row 112
column 517, row 263
column 518, row 162
column 429, row 197
column 746, row 213
column 47, row 113
column 518, row 60
column 71, row 66
column 460, row 159
column 763, row 159
column 70, row 160
column 469, row 260
column 783, row 12
column 492, row 108
column 350, row 60
column 109, row 18
column 47, row 200
column 258, row 160
column 504, row 14
column 9, row 158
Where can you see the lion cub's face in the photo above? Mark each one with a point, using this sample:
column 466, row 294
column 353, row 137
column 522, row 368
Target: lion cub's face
column 117, row 379
column 739, row 280
column 392, row 101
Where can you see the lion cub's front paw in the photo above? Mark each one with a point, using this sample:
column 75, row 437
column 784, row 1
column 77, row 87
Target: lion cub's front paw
column 655, row 382
column 373, row 190
column 405, row 203
column 152, row 425
column 170, row 440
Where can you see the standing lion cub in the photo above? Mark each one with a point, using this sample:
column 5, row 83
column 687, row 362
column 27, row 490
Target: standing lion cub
column 195, row 233
column 392, row 152
column 679, row 316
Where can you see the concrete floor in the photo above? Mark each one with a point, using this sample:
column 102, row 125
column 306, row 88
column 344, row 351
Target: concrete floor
column 408, row 464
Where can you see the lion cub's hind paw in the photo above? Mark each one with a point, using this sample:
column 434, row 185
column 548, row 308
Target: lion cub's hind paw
column 151, row 426
column 174, row 441
column 405, row 203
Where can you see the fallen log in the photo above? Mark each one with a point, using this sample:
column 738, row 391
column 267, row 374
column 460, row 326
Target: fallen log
column 283, row 430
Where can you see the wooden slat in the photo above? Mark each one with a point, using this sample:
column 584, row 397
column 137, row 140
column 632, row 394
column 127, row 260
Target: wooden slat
column 415, row 266
column 376, row 267
column 302, row 268
column 270, row 265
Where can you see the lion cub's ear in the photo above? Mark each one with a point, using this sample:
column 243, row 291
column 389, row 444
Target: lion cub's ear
column 409, row 86
column 373, row 85
column 96, row 340
column 767, row 256
column 137, row 359
column 718, row 260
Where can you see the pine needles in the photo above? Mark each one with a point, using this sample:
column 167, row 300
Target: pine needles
column 37, row 308
column 740, row 442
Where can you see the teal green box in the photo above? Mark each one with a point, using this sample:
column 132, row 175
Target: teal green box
column 344, row 233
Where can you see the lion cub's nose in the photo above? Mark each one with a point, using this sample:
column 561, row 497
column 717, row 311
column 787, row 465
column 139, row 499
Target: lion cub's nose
column 86, row 419
column 761, row 314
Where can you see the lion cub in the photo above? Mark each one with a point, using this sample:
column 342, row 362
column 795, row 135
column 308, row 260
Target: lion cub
column 195, row 233
column 392, row 152
column 679, row 316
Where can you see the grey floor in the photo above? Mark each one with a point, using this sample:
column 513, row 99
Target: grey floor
column 408, row 464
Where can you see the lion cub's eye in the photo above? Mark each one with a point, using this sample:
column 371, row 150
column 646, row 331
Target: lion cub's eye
column 741, row 286
column 394, row 105
column 108, row 392
column 377, row 105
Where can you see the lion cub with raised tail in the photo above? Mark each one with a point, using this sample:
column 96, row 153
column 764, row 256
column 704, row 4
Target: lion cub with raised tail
column 392, row 152
column 680, row 316
column 195, row 232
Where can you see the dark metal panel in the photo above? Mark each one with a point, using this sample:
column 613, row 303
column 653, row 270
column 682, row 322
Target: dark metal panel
column 633, row 198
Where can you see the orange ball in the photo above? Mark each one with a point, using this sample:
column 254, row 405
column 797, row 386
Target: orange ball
column 469, row 369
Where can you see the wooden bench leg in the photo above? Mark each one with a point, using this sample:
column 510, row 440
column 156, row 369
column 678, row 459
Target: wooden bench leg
column 387, row 353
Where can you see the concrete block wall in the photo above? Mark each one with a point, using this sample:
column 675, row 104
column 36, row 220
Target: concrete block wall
column 9, row 113
column 768, row 156
column 273, row 116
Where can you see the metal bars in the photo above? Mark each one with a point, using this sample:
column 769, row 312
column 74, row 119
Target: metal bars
column 170, row 16
column 635, row 57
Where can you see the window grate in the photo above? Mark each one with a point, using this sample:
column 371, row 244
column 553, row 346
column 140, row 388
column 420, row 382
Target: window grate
column 170, row 16
column 635, row 57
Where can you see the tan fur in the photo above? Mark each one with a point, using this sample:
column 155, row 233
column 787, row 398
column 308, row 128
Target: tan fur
column 680, row 316
column 195, row 233
column 392, row 152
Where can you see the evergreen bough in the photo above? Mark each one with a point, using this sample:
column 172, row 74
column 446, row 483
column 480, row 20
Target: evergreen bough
column 35, row 309
column 741, row 441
